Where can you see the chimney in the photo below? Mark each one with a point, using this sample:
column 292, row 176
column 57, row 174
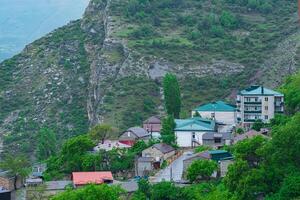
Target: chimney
column 262, row 89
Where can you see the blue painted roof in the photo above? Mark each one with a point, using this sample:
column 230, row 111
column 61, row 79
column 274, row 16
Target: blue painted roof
column 259, row 90
column 195, row 124
column 220, row 106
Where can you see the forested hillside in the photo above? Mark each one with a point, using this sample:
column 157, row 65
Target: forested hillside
column 108, row 65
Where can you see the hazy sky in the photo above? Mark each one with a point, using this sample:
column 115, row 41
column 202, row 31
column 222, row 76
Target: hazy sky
column 23, row 21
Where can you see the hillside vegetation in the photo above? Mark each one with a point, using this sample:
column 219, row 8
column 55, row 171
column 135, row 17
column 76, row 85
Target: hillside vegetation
column 108, row 65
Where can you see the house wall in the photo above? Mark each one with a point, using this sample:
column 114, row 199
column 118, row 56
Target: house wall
column 8, row 183
column 184, row 138
column 224, row 117
column 144, row 168
column 153, row 152
column 224, row 167
column 169, row 155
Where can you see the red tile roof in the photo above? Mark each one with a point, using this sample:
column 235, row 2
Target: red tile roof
column 83, row 178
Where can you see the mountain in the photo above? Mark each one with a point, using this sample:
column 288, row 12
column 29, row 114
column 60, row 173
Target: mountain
column 22, row 22
column 107, row 66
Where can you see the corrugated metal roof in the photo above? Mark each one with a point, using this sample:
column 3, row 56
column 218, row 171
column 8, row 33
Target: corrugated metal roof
column 218, row 106
column 164, row 148
column 195, row 124
column 259, row 90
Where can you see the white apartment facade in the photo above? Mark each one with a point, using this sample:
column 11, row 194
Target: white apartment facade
column 258, row 103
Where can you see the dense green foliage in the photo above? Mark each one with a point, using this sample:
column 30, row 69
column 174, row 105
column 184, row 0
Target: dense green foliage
column 47, row 144
column 17, row 166
column 77, row 155
column 101, row 132
column 201, row 169
column 291, row 91
column 91, row 192
column 172, row 96
column 167, row 131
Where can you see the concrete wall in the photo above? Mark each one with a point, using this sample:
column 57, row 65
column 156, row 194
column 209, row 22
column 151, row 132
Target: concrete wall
column 8, row 183
column 144, row 168
column 153, row 152
column 184, row 138
column 224, row 164
column 224, row 117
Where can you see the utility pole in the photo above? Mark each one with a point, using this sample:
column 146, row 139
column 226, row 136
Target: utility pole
column 171, row 177
column 299, row 9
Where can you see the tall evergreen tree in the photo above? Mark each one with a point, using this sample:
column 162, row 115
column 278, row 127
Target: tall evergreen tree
column 46, row 144
column 167, row 131
column 172, row 95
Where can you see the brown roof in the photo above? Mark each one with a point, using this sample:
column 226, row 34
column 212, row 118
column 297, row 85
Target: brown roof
column 138, row 131
column 152, row 127
column 164, row 148
column 203, row 155
column 153, row 120
column 249, row 134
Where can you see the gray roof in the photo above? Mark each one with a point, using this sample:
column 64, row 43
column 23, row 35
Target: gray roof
column 139, row 132
column 129, row 186
column 57, row 185
column 164, row 148
column 211, row 136
column 152, row 120
column 145, row 159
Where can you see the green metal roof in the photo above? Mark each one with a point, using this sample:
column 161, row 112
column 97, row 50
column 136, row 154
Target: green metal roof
column 194, row 124
column 216, row 106
column 217, row 151
column 260, row 90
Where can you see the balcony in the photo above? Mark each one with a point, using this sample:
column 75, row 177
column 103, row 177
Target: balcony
column 252, row 111
column 252, row 102
column 250, row 120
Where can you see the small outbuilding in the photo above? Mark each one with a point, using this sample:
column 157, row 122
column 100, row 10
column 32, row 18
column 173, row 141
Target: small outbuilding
column 84, row 178
column 159, row 151
column 153, row 126
column 134, row 134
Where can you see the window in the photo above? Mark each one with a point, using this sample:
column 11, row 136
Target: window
column 218, row 140
column 266, row 108
column 266, row 117
column 193, row 135
column 212, row 115
column 266, row 99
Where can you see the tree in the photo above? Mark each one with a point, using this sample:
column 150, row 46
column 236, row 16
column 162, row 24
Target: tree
column 101, row 132
column 240, row 131
column 201, row 169
column 167, row 131
column 250, row 150
column 17, row 166
column 165, row 191
column 172, row 95
column 46, row 144
column 73, row 151
column 91, row 192
column 145, row 187
column 290, row 188
column 257, row 125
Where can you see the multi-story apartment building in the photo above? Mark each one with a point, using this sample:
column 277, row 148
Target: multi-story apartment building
column 258, row 103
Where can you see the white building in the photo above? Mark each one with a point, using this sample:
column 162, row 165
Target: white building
column 219, row 111
column 258, row 103
column 189, row 132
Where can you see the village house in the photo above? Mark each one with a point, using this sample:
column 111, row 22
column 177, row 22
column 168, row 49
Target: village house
column 7, row 181
column 153, row 126
column 109, row 145
column 145, row 165
column 219, row 111
column 217, row 140
column 5, row 194
column 159, row 152
column 222, row 157
column 248, row 134
column 258, row 103
column 84, row 178
column 189, row 132
column 134, row 134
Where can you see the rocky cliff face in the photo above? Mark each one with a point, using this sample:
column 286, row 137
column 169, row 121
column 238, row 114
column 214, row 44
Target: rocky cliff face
column 93, row 70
